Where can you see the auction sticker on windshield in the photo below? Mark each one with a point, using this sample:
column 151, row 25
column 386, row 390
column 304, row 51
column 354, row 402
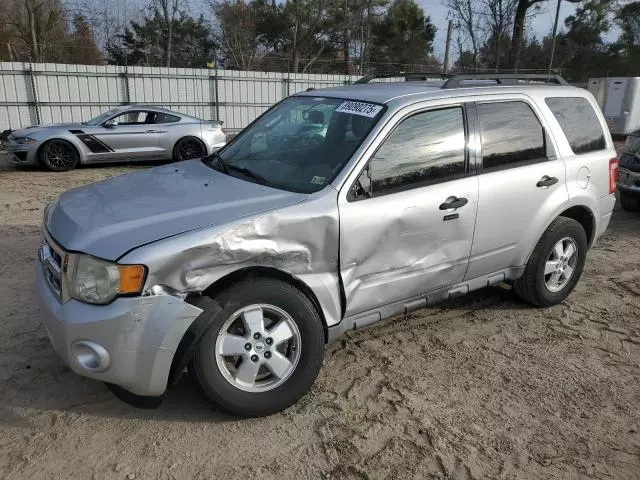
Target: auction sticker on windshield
column 359, row 108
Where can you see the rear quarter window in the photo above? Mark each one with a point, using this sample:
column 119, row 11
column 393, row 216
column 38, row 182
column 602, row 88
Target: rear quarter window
column 579, row 123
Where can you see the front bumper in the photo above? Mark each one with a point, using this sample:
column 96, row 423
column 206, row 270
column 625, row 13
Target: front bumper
column 140, row 335
column 23, row 155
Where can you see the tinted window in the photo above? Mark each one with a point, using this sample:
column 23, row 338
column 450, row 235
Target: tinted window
column 579, row 123
column 166, row 118
column 511, row 135
column 132, row 117
column 424, row 148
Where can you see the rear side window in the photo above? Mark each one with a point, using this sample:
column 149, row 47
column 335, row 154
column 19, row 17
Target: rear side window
column 579, row 123
column 512, row 136
column 425, row 148
column 166, row 118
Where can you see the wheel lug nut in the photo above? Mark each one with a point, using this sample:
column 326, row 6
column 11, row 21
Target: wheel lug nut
column 247, row 346
column 256, row 336
column 269, row 341
column 267, row 354
column 254, row 358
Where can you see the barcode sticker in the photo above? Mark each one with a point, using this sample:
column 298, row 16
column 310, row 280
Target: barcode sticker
column 359, row 108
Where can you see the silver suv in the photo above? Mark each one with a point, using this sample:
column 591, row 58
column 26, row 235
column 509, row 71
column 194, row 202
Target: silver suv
column 242, row 265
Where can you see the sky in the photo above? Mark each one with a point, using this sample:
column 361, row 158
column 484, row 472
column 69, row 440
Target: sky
column 539, row 26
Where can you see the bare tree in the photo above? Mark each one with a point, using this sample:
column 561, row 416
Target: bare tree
column 169, row 10
column 466, row 18
column 499, row 16
column 35, row 24
column 236, row 32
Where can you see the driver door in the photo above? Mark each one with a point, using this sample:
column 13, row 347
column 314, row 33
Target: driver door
column 132, row 135
column 406, row 224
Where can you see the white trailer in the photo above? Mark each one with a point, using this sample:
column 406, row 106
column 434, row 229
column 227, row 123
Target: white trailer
column 619, row 99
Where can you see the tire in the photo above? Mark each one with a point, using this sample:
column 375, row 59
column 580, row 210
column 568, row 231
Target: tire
column 188, row 148
column 629, row 202
column 539, row 288
column 217, row 376
column 59, row 156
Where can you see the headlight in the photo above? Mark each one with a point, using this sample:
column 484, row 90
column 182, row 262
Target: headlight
column 24, row 140
column 97, row 281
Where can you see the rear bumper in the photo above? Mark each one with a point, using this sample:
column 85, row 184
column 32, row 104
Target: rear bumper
column 139, row 335
column 606, row 205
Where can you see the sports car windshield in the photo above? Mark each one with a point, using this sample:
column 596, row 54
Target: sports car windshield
column 301, row 144
column 95, row 121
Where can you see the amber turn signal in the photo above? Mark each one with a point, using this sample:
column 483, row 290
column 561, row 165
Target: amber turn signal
column 131, row 278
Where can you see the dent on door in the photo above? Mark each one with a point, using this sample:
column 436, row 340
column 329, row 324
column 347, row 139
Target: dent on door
column 397, row 248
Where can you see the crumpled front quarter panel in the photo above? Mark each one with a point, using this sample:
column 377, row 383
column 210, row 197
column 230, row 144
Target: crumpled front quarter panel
column 301, row 240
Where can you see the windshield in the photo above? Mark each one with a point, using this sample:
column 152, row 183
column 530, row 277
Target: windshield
column 101, row 118
column 301, row 144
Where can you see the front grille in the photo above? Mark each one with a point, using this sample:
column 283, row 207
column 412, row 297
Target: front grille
column 51, row 258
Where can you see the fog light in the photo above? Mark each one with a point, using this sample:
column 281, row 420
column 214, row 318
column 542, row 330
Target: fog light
column 91, row 356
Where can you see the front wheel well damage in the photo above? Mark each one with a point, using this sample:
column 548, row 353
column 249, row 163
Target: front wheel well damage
column 206, row 300
column 266, row 272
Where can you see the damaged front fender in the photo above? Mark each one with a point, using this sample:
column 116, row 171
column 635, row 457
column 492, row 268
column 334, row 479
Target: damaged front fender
column 301, row 240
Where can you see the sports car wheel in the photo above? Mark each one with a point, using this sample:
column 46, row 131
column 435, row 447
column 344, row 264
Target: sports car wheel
column 188, row 148
column 59, row 156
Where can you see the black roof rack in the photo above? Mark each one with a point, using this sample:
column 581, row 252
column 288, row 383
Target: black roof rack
column 408, row 77
column 458, row 81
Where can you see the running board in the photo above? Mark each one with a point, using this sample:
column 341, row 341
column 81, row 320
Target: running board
column 360, row 320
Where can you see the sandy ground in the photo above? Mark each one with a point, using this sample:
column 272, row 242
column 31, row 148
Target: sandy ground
column 486, row 387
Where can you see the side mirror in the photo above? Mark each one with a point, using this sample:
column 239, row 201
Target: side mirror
column 110, row 124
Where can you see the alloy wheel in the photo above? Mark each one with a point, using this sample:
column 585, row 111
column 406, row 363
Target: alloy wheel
column 560, row 265
column 258, row 348
column 60, row 155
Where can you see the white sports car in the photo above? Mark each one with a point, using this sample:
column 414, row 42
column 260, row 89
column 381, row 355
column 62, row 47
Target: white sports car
column 123, row 134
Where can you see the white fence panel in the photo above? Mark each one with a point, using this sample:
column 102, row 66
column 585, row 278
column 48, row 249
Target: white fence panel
column 56, row 93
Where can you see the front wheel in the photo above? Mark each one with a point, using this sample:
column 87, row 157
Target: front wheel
column 263, row 350
column 59, row 156
column 555, row 265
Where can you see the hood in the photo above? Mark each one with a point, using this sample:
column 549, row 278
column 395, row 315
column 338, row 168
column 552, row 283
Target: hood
column 109, row 218
column 35, row 129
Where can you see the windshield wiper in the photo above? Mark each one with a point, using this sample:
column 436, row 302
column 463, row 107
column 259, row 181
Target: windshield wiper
column 249, row 173
column 226, row 168
column 221, row 162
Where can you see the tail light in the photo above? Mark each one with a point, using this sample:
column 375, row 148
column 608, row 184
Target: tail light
column 614, row 174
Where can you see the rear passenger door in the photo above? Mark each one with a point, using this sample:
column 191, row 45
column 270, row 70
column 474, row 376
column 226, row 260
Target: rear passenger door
column 521, row 185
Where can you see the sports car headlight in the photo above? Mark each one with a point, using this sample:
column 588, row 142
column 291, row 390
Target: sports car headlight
column 24, row 140
column 98, row 281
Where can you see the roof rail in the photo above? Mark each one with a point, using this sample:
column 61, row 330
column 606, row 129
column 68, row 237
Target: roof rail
column 408, row 77
column 457, row 81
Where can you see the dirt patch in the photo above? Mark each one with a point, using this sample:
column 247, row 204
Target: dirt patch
column 486, row 387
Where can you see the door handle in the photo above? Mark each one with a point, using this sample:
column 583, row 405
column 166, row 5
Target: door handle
column 152, row 131
column 546, row 181
column 454, row 202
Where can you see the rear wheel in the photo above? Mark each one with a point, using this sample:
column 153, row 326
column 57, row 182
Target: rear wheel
column 263, row 350
column 188, row 148
column 59, row 156
column 555, row 265
column 629, row 202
